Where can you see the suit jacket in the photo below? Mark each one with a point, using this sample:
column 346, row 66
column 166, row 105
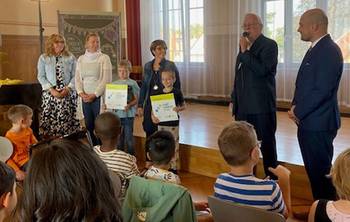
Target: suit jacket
column 254, row 90
column 316, row 87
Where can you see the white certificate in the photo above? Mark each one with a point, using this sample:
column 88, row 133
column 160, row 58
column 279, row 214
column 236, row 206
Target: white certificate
column 116, row 96
column 162, row 107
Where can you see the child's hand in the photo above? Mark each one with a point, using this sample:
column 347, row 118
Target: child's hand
column 155, row 119
column 126, row 108
column 201, row 206
column 104, row 107
column 176, row 109
column 20, row 175
column 280, row 171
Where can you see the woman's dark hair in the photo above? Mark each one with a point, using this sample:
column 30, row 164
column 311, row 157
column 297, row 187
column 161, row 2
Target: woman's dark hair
column 161, row 146
column 67, row 181
column 7, row 179
column 156, row 43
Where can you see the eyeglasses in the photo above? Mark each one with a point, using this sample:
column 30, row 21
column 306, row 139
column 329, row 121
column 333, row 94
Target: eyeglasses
column 258, row 144
column 247, row 26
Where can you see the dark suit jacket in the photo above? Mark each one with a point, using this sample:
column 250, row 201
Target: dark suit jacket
column 316, row 87
column 254, row 90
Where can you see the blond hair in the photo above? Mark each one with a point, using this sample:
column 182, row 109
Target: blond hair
column 17, row 112
column 236, row 142
column 89, row 35
column 125, row 63
column 340, row 173
column 55, row 38
column 171, row 72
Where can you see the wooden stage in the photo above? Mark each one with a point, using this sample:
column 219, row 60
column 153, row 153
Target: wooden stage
column 200, row 126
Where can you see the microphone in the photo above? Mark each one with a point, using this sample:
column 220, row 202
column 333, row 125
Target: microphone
column 245, row 34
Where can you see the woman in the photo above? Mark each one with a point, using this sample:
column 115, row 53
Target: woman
column 56, row 70
column 67, row 181
column 94, row 71
column 335, row 211
column 152, row 83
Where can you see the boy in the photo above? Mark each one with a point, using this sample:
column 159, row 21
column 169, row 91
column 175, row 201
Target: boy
column 239, row 146
column 21, row 136
column 128, row 114
column 161, row 146
column 8, row 195
column 168, row 80
column 107, row 129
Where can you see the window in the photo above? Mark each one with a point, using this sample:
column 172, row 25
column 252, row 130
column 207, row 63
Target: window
column 182, row 27
column 281, row 19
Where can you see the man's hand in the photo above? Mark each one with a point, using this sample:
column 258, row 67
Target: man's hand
column 292, row 116
column 244, row 43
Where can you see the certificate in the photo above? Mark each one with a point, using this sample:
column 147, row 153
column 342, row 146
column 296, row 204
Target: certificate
column 162, row 107
column 116, row 96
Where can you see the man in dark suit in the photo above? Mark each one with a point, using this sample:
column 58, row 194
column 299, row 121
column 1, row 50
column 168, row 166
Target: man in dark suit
column 315, row 106
column 254, row 91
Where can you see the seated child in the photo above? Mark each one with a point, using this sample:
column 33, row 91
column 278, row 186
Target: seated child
column 8, row 195
column 168, row 80
column 240, row 148
column 107, row 129
column 328, row 210
column 161, row 146
column 127, row 115
column 21, row 136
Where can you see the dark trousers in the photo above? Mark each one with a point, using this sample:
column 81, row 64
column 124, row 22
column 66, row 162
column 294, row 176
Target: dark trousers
column 317, row 151
column 127, row 137
column 91, row 111
column 265, row 127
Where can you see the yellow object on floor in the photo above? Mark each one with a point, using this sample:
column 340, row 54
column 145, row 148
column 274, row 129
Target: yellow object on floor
column 10, row 81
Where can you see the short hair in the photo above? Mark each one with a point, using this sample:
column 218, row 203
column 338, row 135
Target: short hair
column 170, row 71
column 317, row 16
column 17, row 112
column 107, row 126
column 161, row 146
column 67, row 181
column 340, row 173
column 55, row 38
column 125, row 63
column 156, row 43
column 236, row 142
column 7, row 179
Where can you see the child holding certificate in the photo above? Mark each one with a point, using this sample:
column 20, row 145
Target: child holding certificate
column 168, row 79
column 128, row 110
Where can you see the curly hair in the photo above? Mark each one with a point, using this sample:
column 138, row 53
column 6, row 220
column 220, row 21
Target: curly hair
column 55, row 38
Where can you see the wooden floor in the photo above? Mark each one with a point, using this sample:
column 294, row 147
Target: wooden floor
column 201, row 124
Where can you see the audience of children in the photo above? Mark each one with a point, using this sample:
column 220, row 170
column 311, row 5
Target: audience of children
column 128, row 114
column 168, row 80
column 8, row 195
column 107, row 129
column 67, row 181
column 21, row 136
column 239, row 146
column 335, row 211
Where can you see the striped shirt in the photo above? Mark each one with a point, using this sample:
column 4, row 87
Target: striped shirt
column 120, row 162
column 251, row 191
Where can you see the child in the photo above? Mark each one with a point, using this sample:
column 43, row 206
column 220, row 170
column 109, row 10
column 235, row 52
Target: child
column 107, row 129
column 168, row 79
column 21, row 136
column 327, row 210
column 127, row 115
column 8, row 195
column 161, row 146
column 240, row 148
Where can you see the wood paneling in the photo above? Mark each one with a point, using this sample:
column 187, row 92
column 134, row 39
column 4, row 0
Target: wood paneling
column 23, row 53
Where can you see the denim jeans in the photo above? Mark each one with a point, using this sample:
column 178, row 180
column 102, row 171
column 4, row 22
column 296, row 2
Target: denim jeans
column 91, row 111
column 127, row 136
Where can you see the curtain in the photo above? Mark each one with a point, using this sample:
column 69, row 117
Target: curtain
column 222, row 22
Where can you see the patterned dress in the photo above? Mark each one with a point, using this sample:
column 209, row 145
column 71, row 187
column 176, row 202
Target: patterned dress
column 58, row 116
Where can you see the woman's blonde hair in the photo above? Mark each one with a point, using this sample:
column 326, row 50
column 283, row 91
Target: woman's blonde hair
column 340, row 173
column 54, row 38
column 89, row 35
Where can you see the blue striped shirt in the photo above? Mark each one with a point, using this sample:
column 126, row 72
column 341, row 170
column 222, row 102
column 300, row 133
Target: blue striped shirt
column 251, row 191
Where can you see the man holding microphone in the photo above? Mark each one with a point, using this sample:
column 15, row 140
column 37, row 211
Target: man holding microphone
column 254, row 91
